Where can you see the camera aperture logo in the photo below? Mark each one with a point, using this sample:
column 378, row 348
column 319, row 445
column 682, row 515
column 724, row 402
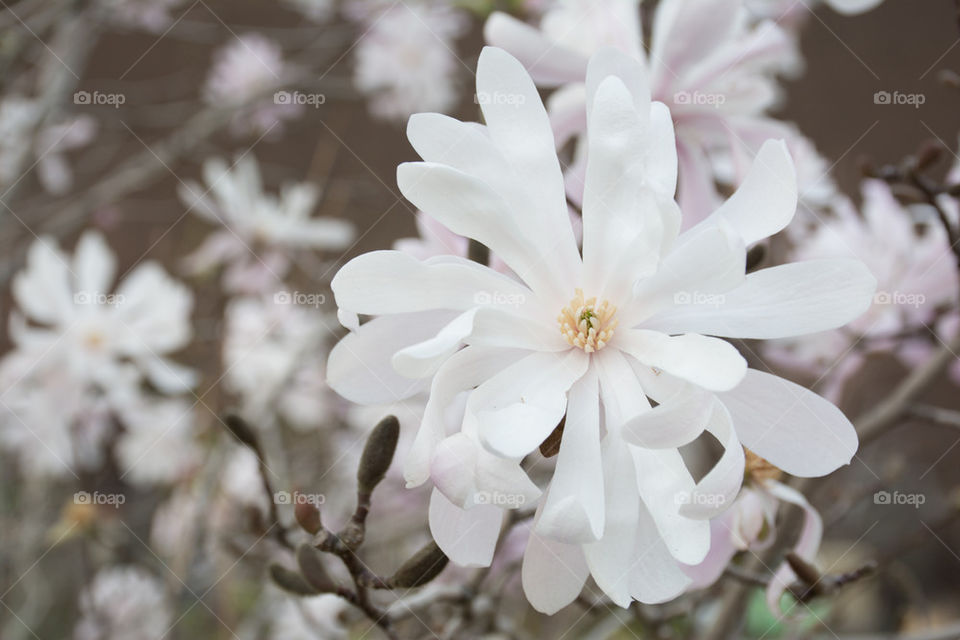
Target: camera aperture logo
column 297, row 497
column 96, row 498
column 315, row 100
column 898, row 498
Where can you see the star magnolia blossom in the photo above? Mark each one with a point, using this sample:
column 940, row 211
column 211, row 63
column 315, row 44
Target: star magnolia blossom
column 588, row 338
column 714, row 69
column 260, row 229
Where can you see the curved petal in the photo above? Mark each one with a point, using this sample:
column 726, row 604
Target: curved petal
column 721, row 553
column 780, row 302
column 424, row 358
column 655, row 577
column 790, row 426
column 517, row 409
column 807, row 545
column 553, row 573
column 717, row 490
column 550, row 64
column 468, row 538
column 573, row 512
column 673, row 423
column 710, row 363
column 359, row 367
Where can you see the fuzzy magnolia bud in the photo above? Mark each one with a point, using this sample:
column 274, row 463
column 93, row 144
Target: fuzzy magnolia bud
column 423, row 567
column 291, row 581
column 308, row 516
column 311, row 566
column 377, row 454
column 241, row 430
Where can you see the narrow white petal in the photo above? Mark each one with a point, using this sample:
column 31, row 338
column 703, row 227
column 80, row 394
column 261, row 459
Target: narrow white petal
column 553, row 573
column 717, row 490
column 707, row 362
column 467, row 537
column 673, row 423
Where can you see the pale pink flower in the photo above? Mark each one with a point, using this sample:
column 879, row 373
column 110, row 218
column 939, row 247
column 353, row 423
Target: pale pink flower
column 124, row 603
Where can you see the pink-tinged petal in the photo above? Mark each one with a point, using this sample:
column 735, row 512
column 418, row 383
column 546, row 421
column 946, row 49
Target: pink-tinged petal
column 467, row 537
column 790, row 426
column 697, row 189
column 685, row 33
column 553, row 573
column 517, row 409
column 463, row 371
column 567, row 107
column 574, row 511
column 780, row 302
column 360, row 368
column 384, row 282
column 94, row 265
column 807, row 545
column 717, row 490
column 721, row 553
column 766, row 201
column 853, row 7
column 710, row 363
column 655, row 577
column 665, row 484
column 471, row 208
column 550, row 64
column 675, row 422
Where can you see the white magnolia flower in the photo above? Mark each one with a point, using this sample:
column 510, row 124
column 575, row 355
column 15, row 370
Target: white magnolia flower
column 707, row 62
column 123, row 603
column 317, row 618
column 83, row 351
column 405, row 59
column 150, row 15
column 588, row 339
column 274, row 353
column 244, row 73
column 793, row 13
column 260, row 228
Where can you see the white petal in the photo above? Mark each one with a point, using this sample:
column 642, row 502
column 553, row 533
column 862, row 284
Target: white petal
column 574, row 511
column 780, row 302
column 424, row 358
column 468, row 538
column 42, row 289
column 717, row 490
column 655, row 577
column 707, row 362
column 789, row 426
column 632, row 73
column 461, row 372
column 382, row 282
column 94, row 265
column 518, row 408
column 766, row 200
column 673, row 423
column 499, row 327
column 807, row 545
column 359, row 367
column 553, row 573
column 721, row 553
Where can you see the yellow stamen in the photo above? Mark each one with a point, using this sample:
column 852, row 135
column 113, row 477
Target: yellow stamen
column 585, row 324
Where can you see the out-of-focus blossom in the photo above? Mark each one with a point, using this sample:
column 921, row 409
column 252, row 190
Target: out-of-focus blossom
column 83, row 352
column 260, row 230
column 587, row 340
column 317, row 618
column 150, row 15
column 158, row 443
column 914, row 269
column 750, row 524
column 274, row 353
column 792, row 13
column 405, row 58
column 319, row 11
column 24, row 141
column 244, row 74
column 123, row 603
column 712, row 67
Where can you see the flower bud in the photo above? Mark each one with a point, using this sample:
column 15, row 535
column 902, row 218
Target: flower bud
column 291, row 581
column 423, row 567
column 377, row 454
column 311, row 566
column 308, row 516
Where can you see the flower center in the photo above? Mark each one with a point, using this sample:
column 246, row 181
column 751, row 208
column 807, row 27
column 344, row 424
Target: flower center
column 586, row 324
column 758, row 468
